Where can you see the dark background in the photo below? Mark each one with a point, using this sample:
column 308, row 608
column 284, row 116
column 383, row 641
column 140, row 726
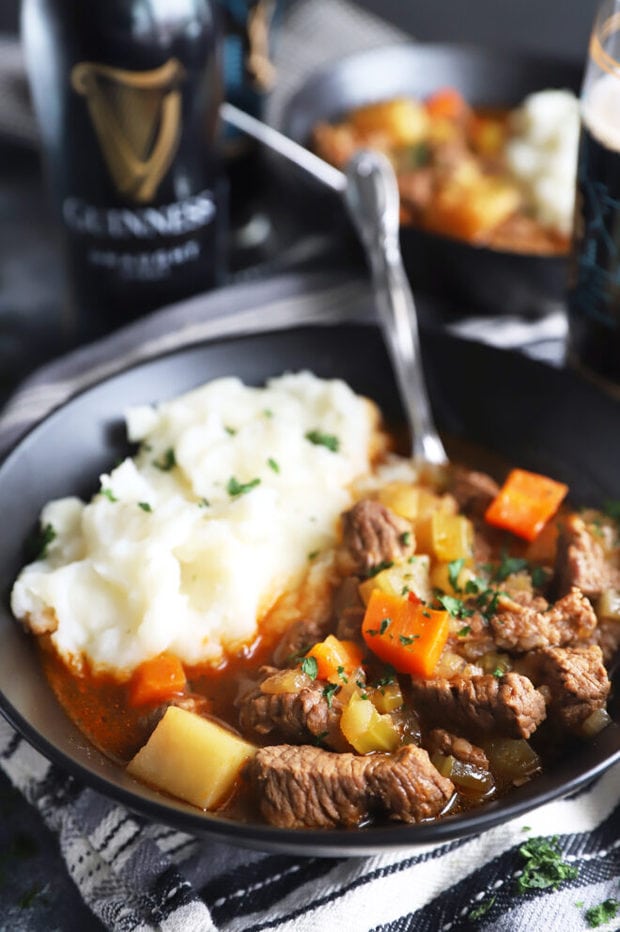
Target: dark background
column 559, row 26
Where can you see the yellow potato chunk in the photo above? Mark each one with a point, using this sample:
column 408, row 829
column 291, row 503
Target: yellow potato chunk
column 452, row 536
column 365, row 729
column 192, row 758
column 472, row 210
column 402, row 121
column 401, row 498
column 410, row 576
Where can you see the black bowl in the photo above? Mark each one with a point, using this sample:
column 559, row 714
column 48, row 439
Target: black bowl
column 471, row 277
column 538, row 417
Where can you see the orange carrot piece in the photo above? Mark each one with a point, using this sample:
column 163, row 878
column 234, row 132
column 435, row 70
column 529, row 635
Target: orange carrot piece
column 156, row 680
column 404, row 633
column 336, row 659
column 447, row 104
column 525, row 503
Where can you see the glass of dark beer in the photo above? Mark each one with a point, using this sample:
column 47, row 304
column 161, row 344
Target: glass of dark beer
column 594, row 284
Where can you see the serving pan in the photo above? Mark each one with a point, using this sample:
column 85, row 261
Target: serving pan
column 532, row 415
column 473, row 277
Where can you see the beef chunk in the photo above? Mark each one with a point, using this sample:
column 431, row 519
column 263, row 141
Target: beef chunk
column 298, row 638
column 576, row 680
column 297, row 716
column 581, row 561
column 440, row 741
column 525, row 627
column 349, row 610
column 373, row 535
column 474, row 491
column 508, row 705
column 307, row 787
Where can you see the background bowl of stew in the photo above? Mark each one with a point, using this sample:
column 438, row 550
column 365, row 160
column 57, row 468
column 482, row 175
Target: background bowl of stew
column 468, row 276
column 520, row 410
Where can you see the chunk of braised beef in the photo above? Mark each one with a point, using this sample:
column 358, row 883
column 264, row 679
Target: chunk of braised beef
column 508, row 705
column 308, row 787
column 581, row 561
column 440, row 741
column 372, row 536
column 349, row 610
column 310, row 712
column 521, row 628
column 474, row 491
column 299, row 638
column 576, row 682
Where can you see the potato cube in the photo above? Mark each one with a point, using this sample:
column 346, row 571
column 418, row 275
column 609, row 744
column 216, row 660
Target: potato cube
column 403, row 121
column 452, row 537
column 410, row 576
column 472, row 210
column 401, row 498
column 192, row 758
column 365, row 729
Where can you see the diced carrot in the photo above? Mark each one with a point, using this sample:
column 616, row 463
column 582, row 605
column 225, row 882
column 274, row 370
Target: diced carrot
column 336, row 659
column 446, row 103
column 525, row 503
column 404, row 633
column 156, row 680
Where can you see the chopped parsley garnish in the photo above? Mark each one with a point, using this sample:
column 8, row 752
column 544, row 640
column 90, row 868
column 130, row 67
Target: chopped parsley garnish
column 385, row 623
column 482, row 909
column 405, row 590
column 465, row 630
column 329, row 691
column 539, row 577
column 235, row 488
column 544, row 868
column 426, row 613
column 321, row 735
column 498, row 672
column 407, row 639
column 389, row 676
column 267, row 412
column 473, row 586
column 109, row 494
column 42, row 540
column 167, row 461
column 341, row 674
column 204, row 503
column 456, row 607
column 273, row 464
column 230, row 431
column 313, row 554
column 508, row 566
column 144, row 506
column 379, row 567
column 319, row 439
column 604, row 912
column 310, row 666
column 454, row 569
column 405, row 538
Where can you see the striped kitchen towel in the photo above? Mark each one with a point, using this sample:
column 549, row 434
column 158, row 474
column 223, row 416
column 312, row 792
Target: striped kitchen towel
column 137, row 875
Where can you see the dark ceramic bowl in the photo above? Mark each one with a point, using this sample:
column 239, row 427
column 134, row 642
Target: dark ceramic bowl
column 518, row 408
column 471, row 277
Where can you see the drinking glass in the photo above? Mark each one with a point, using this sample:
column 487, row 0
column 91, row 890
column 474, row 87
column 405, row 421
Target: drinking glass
column 594, row 282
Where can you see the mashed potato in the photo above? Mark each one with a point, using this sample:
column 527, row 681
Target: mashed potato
column 542, row 155
column 189, row 544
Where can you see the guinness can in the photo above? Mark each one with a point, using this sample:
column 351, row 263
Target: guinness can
column 127, row 95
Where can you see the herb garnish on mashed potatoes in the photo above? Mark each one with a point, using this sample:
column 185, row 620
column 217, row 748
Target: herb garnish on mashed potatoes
column 190, row 543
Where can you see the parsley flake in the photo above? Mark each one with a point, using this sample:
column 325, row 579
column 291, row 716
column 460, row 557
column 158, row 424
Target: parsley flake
column 273, row 464
column 544, row 868
column 612, row 509
column 456, row 607
column 385, row 623
column 407, row 639
column 109, row 494
column 204, row 503
column 341, row 674
column 379, row 567
column 310, row 666
column 230, row 431
column 313, row 555
column 598, row 915
column 319, row 738
column 319, row 439
column 482, row 909
column 454, row 569
column 405, row 538
column 235, row 488
column 144, row 506
column 465, row 630
column 329, row 691
column 166, row 462
column 42, row 540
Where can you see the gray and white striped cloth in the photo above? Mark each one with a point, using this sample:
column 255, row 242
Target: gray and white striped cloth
column 136, row 875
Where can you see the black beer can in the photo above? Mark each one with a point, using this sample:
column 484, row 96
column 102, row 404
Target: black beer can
column 594, row 278
column 127, row 94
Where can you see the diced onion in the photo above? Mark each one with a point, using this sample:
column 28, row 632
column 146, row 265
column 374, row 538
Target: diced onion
column 595, row 722
column 285, row 681
column 609, row 605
